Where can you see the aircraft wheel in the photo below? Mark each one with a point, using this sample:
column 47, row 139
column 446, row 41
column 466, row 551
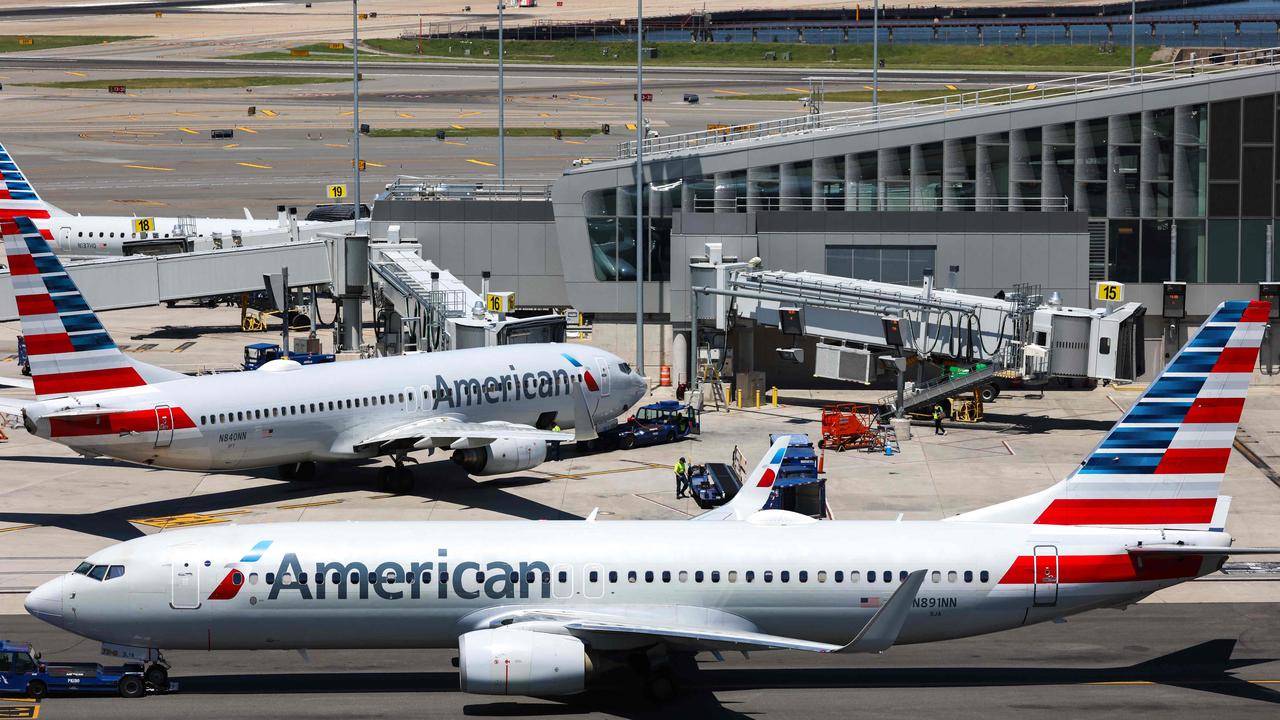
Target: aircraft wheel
column 402, row 480
column 157, row 676
column 37, row 689
column 288, row 471
column 131, row 686
column 660, row 686
column 304, row 471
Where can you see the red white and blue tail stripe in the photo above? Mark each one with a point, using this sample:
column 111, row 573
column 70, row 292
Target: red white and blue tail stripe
column 17, row 197
column 1162, row 465
column 69, row 349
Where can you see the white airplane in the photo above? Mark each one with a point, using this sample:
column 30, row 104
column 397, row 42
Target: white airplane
column 494, row 406
column 536, row 608
column 116, row 235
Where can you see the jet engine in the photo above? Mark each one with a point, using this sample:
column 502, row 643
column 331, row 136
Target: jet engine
column 502, row 456
column 508, row 661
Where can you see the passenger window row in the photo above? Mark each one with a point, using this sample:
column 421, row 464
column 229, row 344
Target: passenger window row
column 305, row 409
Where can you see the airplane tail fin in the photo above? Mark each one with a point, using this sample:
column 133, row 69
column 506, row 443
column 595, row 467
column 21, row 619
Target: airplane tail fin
column 1162, row 465
column 756, row 488
column 69, row 349
column 17, row 196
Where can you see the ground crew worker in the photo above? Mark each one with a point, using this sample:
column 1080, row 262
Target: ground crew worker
column 682, row 479
column 555, row 445
column 937, row 421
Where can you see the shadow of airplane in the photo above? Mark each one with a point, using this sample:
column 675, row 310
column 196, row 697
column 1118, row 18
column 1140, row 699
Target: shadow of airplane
column 438, row 481
column 1206, row 667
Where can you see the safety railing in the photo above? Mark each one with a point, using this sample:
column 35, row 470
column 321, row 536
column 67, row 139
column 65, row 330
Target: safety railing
column 960, row 102
column 775, row 203
column 408, row 187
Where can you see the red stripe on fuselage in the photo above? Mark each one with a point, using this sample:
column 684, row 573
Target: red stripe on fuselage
column 1236, row 360
column 114, row 423
column 35, row 304
column 1126, row 511
column 229, row 587
column 1193, row 460
column 48, row 344
column 1106, row 568
column 1214, row 410
column 87, row 381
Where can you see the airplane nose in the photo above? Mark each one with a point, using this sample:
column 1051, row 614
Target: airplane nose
column 45, row 602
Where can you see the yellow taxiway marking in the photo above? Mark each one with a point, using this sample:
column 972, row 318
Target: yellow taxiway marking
column 403, row 115
column 473, row 113
column 571, row 142
column 594, row 82
column 317, row 503
column 1123, row 682
column 76, row 74
column 949, row 87
column 480, row 162
column 19, row 711
column 795, row 89
column 254, row 165
column 228, row 146
column 544, row 115
column 369, row 163
column 16, row 528
column 867, row 87
column 249, row 130
column 130, row 201
column 730, row 92
column 335, row 145
column 454, row 142
column 188, row 519
column 189, row 131
column 584, row 97
column 150, row 167
column 269, row 113
column 347, row 113
column 455, row 126
column 630, row 126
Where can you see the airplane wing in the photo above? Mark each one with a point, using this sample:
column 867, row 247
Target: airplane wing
column 1152, row 550
column 452, row 433
column 25, row 383
column 878, row 635
column 12, row 406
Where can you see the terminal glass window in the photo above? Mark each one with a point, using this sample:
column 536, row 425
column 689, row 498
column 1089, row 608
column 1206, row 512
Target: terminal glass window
column 1191, row 251
column 1253, row 250
column 1122, row 251
column 1224, row 251
column 904, row 265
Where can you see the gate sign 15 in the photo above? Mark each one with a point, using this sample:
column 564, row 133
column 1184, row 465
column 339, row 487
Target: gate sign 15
column 1110, row 291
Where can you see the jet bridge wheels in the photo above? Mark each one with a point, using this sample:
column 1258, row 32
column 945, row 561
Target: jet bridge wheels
column 397, row 480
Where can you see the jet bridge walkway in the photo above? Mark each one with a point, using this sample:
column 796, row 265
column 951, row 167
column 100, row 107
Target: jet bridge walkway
column 863, row 327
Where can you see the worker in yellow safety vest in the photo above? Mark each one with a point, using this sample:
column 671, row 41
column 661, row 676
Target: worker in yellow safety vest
column 682, row 478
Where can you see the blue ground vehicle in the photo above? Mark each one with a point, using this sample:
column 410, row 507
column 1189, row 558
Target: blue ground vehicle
column 660, row 422
column 23, row 672
column 258, row 354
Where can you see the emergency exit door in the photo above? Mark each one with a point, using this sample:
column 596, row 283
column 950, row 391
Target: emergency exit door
column 603, row 364
column 164, row 426
column 1045, row 584
column 186, row 585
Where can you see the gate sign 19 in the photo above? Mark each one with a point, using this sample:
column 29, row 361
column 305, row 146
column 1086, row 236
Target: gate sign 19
column 337, row 191
column 1110, row 291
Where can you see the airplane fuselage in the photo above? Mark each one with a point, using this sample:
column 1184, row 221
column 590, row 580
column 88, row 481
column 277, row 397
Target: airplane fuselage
column 422, row 585
column 109, row 235
column 320, row 412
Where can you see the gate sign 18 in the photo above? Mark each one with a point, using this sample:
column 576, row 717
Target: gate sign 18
column 1110, row 291
column 144, row 225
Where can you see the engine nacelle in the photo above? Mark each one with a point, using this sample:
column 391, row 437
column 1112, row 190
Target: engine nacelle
column 502, row 456
column 508, row 661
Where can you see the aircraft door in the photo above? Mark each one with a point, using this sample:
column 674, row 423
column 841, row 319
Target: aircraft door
column 593, row 581
column 562, row 582
column 1045, row 583
column 603, row 364
column 164, row 426
column 186, row 585
column 64, row 238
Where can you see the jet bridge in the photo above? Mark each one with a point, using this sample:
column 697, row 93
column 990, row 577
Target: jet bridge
column 864, row 327
column 424, row 308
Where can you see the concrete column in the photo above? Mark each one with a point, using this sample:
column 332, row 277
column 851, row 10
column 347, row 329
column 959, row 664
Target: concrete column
column 726, row 196
column 824, row 171
column 918, row 178
column 680, row 358
column 789, row 188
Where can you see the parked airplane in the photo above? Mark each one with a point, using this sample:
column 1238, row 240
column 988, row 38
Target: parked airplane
column 493, row 406
column 108, row 235
column 536, row 608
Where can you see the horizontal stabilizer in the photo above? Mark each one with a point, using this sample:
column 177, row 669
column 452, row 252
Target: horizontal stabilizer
column 25, row 383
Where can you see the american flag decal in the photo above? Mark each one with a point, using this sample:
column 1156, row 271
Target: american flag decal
column 870, row 602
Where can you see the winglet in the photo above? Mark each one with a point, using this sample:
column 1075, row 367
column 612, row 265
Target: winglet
column 584, row 426
column 881, row 632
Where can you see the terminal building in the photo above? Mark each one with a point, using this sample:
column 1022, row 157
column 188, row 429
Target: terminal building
column 1166, row 173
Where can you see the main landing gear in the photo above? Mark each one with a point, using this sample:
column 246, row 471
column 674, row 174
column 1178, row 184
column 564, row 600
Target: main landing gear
column 398, row 479
column 302, row 472
column 157, row 674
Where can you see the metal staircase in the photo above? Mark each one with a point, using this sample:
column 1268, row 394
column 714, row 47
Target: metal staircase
column 938, row 389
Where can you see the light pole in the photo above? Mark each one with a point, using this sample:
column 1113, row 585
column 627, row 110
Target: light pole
column 355, row 112
column 1133, row 39
column 875, row 59
column 641, row 242
column 502, row 101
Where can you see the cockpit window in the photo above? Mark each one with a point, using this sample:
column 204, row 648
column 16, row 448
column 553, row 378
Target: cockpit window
column 98, row 572
column 625, row 368
column 115, row 571
column 84, row 568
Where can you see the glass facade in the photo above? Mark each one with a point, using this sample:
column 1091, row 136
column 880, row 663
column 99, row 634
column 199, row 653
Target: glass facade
column 1193, row 186
column 903, row 265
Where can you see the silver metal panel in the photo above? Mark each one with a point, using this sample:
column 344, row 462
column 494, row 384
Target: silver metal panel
column 232, row 271
column 841, row 363
column 1069, row 346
